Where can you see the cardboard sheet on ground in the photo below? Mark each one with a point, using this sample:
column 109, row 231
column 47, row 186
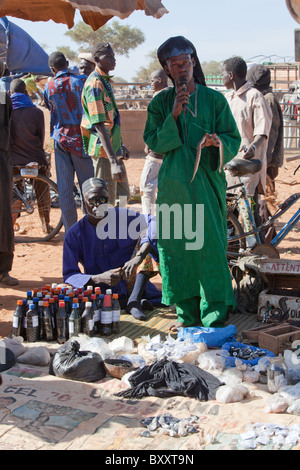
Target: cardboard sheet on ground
column 39, row 411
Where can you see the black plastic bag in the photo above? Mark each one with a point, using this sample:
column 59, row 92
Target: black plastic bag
column 7, row 358
column 73, row 364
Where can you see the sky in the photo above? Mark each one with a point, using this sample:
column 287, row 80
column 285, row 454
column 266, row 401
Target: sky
column 218, row 29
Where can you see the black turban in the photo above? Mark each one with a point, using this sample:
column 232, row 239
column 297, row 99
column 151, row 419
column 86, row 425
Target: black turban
column 178, row 45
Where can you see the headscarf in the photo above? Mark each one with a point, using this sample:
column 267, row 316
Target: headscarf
column 19, row 100
column 259, row 76
column 93, row 183
column 175, row 46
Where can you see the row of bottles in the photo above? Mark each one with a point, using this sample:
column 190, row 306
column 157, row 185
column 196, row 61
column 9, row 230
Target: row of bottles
column 60, row 313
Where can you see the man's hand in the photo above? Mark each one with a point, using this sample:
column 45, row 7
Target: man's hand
column 117, row 171
column 248, row 152
column 182, row 97
column 211, row 140
column 111, row 277
column 130, row 266
column 126, row 153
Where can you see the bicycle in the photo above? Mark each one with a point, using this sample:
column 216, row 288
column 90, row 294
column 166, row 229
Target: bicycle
column 238, row 240
column 35, row 205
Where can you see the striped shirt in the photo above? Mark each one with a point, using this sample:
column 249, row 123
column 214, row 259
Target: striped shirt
column 99, row 106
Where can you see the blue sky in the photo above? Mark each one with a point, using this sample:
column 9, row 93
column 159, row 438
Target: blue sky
column 218, row 28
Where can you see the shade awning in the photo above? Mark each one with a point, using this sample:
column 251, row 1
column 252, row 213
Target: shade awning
column 94, row 12
column 20, row 52
column 294, row 9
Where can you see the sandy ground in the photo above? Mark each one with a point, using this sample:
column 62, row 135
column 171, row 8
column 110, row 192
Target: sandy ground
column 37, row 264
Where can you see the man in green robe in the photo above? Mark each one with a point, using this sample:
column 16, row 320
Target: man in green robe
column 191, row 213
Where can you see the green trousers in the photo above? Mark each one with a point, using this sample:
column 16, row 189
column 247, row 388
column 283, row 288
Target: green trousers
column 196, row 310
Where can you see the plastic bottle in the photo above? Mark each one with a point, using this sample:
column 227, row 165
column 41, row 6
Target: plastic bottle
column 97, row 314
column 74, row 321
column 32, row 324
column 47, row 322
column 61, row 324
column 29, row 295
column 116, row 310
column 106, row 314
column 18, row 319
column 41, row 323
column 87, row 321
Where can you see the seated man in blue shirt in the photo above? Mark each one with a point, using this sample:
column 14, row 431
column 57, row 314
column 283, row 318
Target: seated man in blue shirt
column 104, row 243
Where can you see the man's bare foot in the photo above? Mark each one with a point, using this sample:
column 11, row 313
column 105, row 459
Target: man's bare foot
column 176, row 325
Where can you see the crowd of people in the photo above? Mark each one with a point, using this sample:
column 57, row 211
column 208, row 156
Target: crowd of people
column 192, row 132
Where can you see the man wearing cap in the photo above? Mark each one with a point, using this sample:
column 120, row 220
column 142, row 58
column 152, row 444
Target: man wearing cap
column 104, row 243
column 100, row 125
column 87, row 63
column 183, row 121
column 63, row 98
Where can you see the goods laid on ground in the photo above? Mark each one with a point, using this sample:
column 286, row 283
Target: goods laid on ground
column 55, row 313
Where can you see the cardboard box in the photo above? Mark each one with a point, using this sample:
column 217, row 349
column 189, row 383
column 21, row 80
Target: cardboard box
column 278, row 338
column 280, row 301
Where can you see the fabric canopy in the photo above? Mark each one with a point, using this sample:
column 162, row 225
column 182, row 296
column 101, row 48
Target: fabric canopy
column 20, row 51
column 94, row 12
column 294, row 9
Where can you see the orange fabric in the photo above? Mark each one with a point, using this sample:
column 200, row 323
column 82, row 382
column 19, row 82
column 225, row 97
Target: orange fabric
column 63, row 11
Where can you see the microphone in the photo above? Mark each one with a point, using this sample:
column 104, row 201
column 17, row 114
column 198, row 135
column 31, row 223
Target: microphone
column 183, row 81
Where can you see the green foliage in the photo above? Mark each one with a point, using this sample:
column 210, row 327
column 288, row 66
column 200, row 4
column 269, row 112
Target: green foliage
column 144, row 73
column 212, row 67
column 122, row 38
column 70, row 55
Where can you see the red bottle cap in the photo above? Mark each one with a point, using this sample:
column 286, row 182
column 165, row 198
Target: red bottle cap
column 107, row 301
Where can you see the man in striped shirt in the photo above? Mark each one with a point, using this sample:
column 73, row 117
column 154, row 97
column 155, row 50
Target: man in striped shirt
column 100, row 125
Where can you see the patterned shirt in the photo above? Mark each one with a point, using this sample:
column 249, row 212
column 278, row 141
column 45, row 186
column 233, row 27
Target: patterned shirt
column 99, row 106
column 63, row 98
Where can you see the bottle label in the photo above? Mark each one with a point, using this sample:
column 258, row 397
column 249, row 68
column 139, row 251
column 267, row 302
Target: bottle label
column 71, row 326
column 35, row 321
column 91, row 325
column 115, row 315
column 97, row 315
column 15, row 322
column 106, row 317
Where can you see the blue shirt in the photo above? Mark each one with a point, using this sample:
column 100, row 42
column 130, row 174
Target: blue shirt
column 109, row 245
column 62, row 96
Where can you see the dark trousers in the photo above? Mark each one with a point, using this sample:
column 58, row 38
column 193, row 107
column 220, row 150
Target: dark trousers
column 6, row 261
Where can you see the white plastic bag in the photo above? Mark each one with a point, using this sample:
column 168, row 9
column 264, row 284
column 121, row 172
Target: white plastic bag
column 231, row 393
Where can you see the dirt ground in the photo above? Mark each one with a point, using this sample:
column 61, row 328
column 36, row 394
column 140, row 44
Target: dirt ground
column 37, row 264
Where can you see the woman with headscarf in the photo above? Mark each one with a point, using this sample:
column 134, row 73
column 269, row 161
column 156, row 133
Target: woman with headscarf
column 195, row 275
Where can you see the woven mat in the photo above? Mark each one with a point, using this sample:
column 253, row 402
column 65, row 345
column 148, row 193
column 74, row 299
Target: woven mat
column 159, row 320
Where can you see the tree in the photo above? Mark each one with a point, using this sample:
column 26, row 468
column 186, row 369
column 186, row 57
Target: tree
column 122, row 38
column 144, row 73
column 68, row 53
column 212, row 67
